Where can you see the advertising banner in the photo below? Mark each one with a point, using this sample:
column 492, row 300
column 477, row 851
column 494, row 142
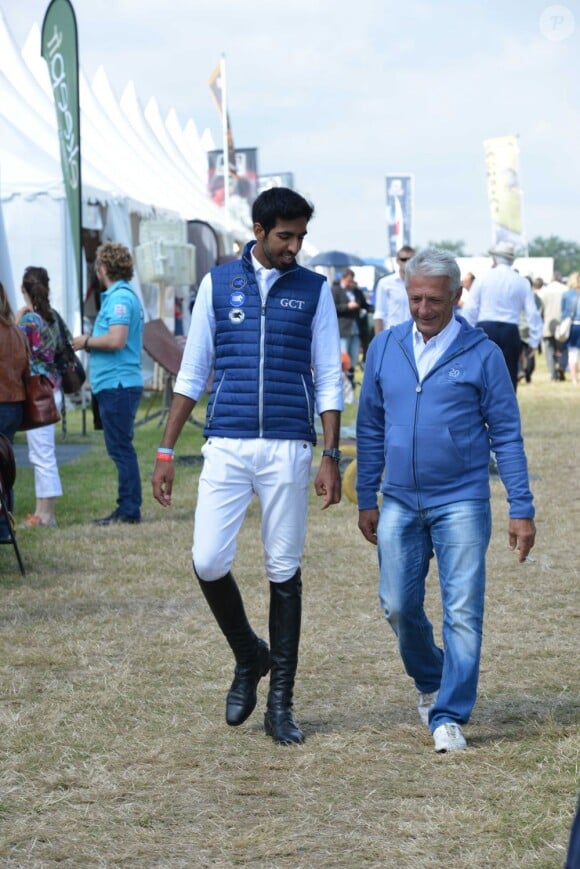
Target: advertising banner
column 503, row 189
column 399, row 192
column 279, row 179
column 243, row 187
column 59, row 48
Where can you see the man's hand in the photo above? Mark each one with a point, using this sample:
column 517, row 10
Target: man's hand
column 164, row 472
column 521, row 535
column 162, row 482
column 328, row 484
column 368, row 522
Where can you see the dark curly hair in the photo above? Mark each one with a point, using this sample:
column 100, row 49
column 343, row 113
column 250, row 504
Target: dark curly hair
column 116, row 260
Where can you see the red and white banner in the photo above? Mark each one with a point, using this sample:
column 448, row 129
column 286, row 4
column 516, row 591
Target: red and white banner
column 399, row 192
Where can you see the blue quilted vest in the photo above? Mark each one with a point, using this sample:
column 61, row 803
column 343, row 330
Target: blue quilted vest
column 263, row 383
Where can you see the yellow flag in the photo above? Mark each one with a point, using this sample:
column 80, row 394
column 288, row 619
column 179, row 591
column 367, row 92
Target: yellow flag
column 503, row 188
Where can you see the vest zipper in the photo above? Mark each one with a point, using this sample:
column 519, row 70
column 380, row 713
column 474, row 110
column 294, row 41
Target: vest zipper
column 261, row 371
column 308, row 405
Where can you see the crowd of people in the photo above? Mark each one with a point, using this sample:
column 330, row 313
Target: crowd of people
column 31, row 340
column 501, row 303
column 267, row 339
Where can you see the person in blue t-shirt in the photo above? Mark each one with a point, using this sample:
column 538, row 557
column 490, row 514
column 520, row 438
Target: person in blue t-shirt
column 116, row 378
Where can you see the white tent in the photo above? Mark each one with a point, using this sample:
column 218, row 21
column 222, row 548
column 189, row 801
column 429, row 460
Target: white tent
column 141, row 166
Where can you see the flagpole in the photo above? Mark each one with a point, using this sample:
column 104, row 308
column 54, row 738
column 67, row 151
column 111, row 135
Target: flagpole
column 226, row 152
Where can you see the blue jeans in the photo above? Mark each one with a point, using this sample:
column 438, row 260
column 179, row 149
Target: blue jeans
column 10, row 418
column 118, row 409
column 459, row 535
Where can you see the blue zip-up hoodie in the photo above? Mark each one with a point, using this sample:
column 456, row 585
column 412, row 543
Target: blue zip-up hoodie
column 263, row 384
column 432, row 438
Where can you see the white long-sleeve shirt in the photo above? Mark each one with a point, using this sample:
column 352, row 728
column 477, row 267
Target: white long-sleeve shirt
column 500, row 296
column 199, row 353
column 391, row 301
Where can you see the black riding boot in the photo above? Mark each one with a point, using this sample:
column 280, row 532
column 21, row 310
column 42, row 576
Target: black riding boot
column 285, row 616
column 252, row 654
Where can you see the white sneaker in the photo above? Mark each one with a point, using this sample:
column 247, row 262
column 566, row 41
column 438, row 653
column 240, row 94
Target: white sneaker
column 449, row 737
column 424, row 704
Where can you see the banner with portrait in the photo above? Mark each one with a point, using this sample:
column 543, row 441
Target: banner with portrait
column 503, row 189
column 279, row 179
column 243, row 188
column 399, row 193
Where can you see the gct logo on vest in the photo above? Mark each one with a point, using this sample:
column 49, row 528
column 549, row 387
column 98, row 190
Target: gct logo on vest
column 295, row 304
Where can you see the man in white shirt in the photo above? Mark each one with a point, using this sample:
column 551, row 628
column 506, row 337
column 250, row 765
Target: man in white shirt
column 551, row 296
column 391, row 300
column 495, row 302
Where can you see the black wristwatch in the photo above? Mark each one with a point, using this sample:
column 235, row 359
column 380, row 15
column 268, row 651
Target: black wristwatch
column 333, row 454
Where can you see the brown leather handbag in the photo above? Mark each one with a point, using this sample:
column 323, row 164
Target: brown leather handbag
column 39, row 405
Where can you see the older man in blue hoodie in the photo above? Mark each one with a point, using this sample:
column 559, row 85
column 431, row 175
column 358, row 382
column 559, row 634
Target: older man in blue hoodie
column 436, row 397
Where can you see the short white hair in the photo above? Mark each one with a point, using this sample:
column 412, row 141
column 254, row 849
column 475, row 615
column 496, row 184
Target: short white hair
column 435, row 263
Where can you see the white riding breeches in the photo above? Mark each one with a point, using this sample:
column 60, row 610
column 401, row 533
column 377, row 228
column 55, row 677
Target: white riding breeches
column 234, row 469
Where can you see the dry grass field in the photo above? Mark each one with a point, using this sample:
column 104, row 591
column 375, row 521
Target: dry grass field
column 114, row 750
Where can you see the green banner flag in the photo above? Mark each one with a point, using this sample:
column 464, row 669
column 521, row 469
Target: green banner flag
column 60, row 51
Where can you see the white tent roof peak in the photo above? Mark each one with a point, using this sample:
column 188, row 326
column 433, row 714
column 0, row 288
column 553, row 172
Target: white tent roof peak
column 188, row 145
column 31, row 52
column 207, row 140
column 155, row 121
column 172, row 176
column 172, row 117
column 190, row 128
column 152, row 110
column 100, row 82
column 129, row 92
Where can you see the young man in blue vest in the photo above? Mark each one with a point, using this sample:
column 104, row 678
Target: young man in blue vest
column 268, row 330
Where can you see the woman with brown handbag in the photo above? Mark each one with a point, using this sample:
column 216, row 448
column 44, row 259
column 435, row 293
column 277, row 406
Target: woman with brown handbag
column 40, row 326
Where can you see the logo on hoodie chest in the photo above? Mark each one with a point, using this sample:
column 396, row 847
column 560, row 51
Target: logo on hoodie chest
column 455, row 374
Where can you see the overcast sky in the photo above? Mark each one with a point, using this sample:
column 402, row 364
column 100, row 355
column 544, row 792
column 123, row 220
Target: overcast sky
column 342, row 93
